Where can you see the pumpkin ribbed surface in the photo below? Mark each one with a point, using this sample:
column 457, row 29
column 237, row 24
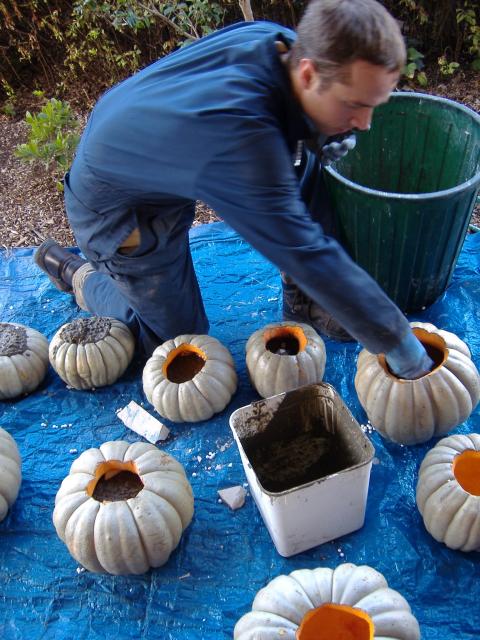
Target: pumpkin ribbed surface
column 10, row 472
column 23, row 359
column 283, row 356
column 91, row 352
column 115, row 533
column 190, row 378
column 280, row 608
column 448, row 492
column 413, row 411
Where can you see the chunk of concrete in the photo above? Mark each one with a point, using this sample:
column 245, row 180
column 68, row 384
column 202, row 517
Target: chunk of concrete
column 234, row 497
column 137, row 419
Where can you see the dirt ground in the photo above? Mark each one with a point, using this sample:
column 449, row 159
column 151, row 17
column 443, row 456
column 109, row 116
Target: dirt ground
column 32, row 207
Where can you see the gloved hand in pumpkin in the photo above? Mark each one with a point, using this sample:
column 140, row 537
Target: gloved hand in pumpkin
column 337, row 147
column 409, row 359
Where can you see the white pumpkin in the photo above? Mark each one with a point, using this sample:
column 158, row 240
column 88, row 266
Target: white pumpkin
column 413, row 411
column 23, row 359
column 10, row 472
column 329, row 604
column 448, row 492
column 91, row 352
column 190, row 378
column 283, row 356
column 130, row 526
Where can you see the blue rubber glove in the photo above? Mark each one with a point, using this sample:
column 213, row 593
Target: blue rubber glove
column 409, row 360
column 337, row 147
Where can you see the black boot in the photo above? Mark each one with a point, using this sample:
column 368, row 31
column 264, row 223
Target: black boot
column 58, row 263
column 298, row 307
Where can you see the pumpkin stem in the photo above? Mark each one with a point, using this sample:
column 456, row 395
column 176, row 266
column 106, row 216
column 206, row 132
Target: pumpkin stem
column 183, row 363
column 336, row 622
column 114, row 481
column 466, row 469
column 285, row 341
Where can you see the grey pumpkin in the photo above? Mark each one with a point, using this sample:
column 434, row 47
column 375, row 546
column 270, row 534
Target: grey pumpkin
column 413, row 411
column 349, row 601
column 23, row 359
column 448, row 491
column 283, row 356
column 91, row 352
column 10, row 472
column 190, row 378
column 123, row 507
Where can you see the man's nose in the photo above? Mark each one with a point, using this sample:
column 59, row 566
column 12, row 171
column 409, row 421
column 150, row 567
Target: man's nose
column 361, row 120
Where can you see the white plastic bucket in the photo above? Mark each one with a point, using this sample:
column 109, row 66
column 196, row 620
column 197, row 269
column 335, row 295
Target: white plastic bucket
column 326, row 506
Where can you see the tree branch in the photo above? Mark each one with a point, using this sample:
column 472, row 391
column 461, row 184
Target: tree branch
column 154, row 11
column 246, row 8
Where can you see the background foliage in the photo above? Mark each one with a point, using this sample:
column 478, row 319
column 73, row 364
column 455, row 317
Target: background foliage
column 57, row 45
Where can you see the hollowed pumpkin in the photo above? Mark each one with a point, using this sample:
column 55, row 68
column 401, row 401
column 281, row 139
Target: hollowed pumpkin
column 10, row 472
column 91, row 352
column 448, row 492
column 413, row 411
column 190, row 378
column 23, row 359
column 347, row 603
column 123, row 507
column 283, row 356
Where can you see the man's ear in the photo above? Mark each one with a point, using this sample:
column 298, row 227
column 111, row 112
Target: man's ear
column 307, row 74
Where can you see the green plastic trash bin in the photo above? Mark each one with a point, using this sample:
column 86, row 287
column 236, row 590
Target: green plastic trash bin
column 404, row 196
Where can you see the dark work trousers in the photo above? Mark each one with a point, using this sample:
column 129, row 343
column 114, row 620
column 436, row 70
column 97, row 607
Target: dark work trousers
column 154, row 289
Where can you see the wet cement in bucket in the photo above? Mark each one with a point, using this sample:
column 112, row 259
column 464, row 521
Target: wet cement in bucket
column 298, row 445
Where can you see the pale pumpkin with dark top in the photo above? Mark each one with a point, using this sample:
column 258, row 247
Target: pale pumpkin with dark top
column 23, row 359
column 88, row 353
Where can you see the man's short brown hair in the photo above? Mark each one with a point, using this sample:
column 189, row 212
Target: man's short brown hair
column 335, row 33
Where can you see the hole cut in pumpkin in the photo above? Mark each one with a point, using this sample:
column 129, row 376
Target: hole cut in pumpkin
column 115, row 481
column 183, row 363
column 336, row 622
column 285, row 341
column 466, row 469
column 435, row 346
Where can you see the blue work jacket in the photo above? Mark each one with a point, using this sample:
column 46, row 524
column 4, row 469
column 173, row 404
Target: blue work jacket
column 217, row 121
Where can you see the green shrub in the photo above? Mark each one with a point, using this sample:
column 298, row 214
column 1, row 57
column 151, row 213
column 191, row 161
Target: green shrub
column 53, row 137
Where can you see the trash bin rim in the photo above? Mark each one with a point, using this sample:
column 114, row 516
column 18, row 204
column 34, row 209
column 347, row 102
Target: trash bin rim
column 444, row 193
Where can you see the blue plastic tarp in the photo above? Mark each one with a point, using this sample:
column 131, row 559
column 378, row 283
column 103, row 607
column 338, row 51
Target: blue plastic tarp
column 224, row 556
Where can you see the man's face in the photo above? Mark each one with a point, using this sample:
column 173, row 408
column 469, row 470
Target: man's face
column 345, row 104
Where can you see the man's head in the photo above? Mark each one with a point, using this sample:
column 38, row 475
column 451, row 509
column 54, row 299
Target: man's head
column 346, row 60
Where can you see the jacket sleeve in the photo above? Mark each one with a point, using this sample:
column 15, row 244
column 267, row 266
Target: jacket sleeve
column 254, row 188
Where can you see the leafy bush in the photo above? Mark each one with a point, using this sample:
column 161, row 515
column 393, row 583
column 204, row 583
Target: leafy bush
column 414, row 68
column 53, row 137
column 89, row 45
column 54, row 45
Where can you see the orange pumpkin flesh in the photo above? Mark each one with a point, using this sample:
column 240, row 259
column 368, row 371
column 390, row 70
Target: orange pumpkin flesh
column 291, row 339
column 466, row 469
column 434, row 345
column 336, row 622
column 183, row 363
